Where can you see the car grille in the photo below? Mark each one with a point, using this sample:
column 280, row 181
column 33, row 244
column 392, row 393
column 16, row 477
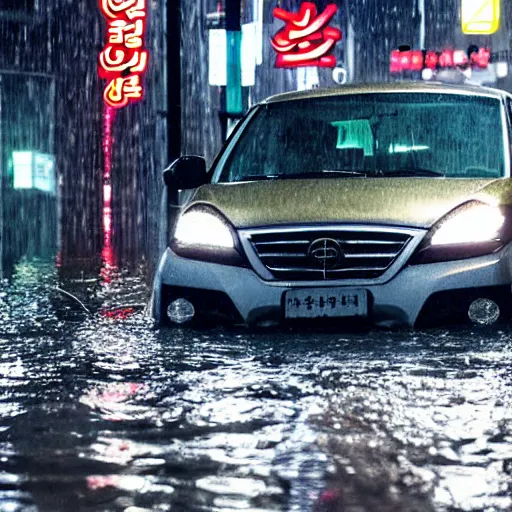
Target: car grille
column 310, row 254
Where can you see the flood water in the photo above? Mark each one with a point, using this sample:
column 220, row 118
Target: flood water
column 101, row 411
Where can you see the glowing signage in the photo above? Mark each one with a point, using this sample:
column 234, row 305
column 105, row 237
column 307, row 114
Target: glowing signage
column 34, row 170
column 418, row 60
column 123, row 60
column 107, row 253
column 306, row 39
column 480, row 16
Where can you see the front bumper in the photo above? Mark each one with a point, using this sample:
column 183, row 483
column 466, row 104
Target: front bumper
column 397, row 302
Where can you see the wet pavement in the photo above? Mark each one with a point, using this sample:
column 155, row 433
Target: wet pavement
column 101, row 411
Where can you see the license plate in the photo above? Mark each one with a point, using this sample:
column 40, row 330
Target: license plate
column 325, row 302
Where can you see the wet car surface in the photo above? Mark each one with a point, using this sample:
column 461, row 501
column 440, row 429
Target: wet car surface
column 362, row 214
column 101, row 411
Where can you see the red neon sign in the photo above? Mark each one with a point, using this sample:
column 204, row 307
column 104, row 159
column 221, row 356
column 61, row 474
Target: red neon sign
column 417, row 60
column 305, row 40
column 123, row 60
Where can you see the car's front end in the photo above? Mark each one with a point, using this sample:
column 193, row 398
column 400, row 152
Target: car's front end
column 392, row 247
column 387, row 273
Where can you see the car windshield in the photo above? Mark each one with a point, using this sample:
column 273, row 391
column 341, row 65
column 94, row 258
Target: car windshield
column 370, row 135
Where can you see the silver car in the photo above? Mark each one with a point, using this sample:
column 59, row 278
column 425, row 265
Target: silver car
column 386, row 204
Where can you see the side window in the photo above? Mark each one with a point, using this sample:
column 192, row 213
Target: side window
column 509, row 122
column 509, row 118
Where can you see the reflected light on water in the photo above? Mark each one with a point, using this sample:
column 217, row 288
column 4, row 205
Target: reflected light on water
column 113, row 401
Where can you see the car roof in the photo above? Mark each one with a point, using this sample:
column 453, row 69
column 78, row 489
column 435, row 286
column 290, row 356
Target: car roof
column 390, row 87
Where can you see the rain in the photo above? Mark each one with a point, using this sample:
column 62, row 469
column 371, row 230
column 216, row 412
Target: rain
column 104, row 408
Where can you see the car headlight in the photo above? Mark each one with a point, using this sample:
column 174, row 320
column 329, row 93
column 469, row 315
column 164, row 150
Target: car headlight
column 202, row 233
column 203, row 228
column 471, row 230
column 476, row 223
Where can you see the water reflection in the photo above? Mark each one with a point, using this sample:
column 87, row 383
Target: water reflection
column 114, row 401
column 100, row 410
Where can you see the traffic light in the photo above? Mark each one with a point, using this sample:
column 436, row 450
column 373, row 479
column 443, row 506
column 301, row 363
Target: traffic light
column 480, row 16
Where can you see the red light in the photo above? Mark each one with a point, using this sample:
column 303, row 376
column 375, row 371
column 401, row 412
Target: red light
column 124, row 60
column 460, row 58
column 416, row 60
column 118, row 313
column 481, row 59
column 107, row 254
column 405, row 60
column 409, row 60
column 107, row 222
column 120, row 91
column 446, row 59
column 394, row 66
column 108, row 120
column 132, row 9
column 431, row 59
column 305, row 40
column 412, row 60
column 107, row 195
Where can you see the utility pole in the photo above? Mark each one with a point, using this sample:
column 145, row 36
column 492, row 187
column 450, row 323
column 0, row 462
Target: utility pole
column 2, row 183
column 169, row 202
column 233, row 107
column 421, row 35
column 173, row 79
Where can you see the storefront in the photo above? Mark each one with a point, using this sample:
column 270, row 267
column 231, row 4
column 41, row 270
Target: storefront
column 29, row 189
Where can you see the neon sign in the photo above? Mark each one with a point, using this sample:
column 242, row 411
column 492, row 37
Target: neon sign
column 418, row 60
column 480, row 16
column 123, row 60
column 306, row 39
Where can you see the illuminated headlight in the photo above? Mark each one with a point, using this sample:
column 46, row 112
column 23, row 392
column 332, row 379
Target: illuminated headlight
column 476, row 223
column 201, row 228
column 202, row 233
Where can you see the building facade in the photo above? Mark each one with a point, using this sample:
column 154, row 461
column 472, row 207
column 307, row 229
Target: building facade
column 52, row 111
column 371, row 31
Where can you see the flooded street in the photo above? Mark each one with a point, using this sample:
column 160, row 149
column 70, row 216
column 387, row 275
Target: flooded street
column 100, row 411
column 281, row 160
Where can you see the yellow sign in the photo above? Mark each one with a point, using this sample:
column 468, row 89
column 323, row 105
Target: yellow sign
column 480, row 16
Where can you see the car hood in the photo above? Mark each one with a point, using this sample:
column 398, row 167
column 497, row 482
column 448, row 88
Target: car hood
column 414, row 202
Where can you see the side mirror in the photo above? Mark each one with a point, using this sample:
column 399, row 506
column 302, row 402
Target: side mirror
column 186, row 172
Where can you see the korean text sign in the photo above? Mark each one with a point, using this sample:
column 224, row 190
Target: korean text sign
column 124, row 59
column 417, row 60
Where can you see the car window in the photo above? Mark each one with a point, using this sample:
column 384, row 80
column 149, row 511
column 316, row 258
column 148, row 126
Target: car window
column 509, row 116
column 455, row 135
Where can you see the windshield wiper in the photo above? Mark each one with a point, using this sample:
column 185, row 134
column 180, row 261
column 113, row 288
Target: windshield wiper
column 259, row 177
column 339, row 172
column 304, row 175
column 414, row 171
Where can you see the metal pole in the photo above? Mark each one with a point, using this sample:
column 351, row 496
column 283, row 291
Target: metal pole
column 169, row 206
column 421, row 12
column 173, row 79
column 234, row 106
column 2, row 182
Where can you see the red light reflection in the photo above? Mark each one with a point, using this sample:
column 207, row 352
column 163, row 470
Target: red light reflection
column 118, row 313
column 107, row 254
